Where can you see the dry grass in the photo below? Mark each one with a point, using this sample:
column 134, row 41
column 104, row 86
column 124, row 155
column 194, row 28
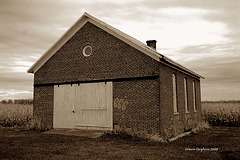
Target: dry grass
column 15, row 114
column 25, row 144
column 222, row 113
column 132, row 133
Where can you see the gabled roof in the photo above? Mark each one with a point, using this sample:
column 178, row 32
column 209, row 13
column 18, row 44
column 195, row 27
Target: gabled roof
column 111, row 30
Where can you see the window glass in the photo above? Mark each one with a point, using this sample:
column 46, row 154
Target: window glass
column 194, row 97
column 186, row 95
column 174, row 93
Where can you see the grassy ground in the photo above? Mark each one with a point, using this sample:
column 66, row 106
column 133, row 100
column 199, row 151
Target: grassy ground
column 218, row 142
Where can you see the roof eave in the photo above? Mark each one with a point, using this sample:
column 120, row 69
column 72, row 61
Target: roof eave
column 115, row 32
column 34, row 68
column 166, row 59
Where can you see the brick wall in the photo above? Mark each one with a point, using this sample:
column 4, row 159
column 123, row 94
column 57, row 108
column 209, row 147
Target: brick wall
column 136, row 105
column 177, row 123
column 111, row 59
column 43, row 104
column 136, row 102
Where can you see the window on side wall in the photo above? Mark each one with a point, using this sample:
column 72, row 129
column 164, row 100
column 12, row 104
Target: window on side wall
column 186, row 96
column 194, row 97
column 175, row 106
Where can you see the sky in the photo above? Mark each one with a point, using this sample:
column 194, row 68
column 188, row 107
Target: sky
column 202, row 35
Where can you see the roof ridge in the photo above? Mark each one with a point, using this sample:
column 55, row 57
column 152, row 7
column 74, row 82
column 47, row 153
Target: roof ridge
column 121, row 33
column 86, row 17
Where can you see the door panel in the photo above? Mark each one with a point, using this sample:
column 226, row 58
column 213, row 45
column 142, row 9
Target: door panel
column 92, row 108
column 64, row 102
column 91, row 103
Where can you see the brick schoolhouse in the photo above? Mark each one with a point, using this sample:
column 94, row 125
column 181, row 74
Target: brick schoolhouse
column 97, row 77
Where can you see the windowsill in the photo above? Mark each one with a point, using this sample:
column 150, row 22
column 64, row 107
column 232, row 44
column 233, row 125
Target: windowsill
column 187, row 112
column 176, row 113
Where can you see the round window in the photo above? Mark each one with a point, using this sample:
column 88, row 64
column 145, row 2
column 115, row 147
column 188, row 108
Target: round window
column 87, row 50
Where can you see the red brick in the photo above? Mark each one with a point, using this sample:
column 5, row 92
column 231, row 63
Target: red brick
column 149, row 100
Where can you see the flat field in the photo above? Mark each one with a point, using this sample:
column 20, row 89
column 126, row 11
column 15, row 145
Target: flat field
column 218, row 113
column 15, row 114
column 215, row 143
column 218, row 142
column 221, row 113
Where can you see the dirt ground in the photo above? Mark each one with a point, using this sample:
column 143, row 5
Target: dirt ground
column 215, row 143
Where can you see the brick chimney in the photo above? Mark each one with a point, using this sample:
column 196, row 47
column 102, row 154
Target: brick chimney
column 152, row 44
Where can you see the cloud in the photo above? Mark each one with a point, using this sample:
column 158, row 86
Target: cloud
column 15, row 94
column 15, row 85
column 201, row 35
column 220, row 67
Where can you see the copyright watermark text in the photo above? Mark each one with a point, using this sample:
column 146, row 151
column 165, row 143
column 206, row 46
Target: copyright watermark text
column 201, row 149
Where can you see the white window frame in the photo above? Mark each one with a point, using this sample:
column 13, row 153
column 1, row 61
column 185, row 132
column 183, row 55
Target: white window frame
column 186, row 95
column 84, row 50
column 175, row 105
column 194, row 97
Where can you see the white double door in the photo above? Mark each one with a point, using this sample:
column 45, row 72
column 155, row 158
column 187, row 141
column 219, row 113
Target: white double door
column 86, row 106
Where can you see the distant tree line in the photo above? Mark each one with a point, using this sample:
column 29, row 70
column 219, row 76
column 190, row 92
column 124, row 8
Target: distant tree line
column 17, row 101
column 222, row 101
